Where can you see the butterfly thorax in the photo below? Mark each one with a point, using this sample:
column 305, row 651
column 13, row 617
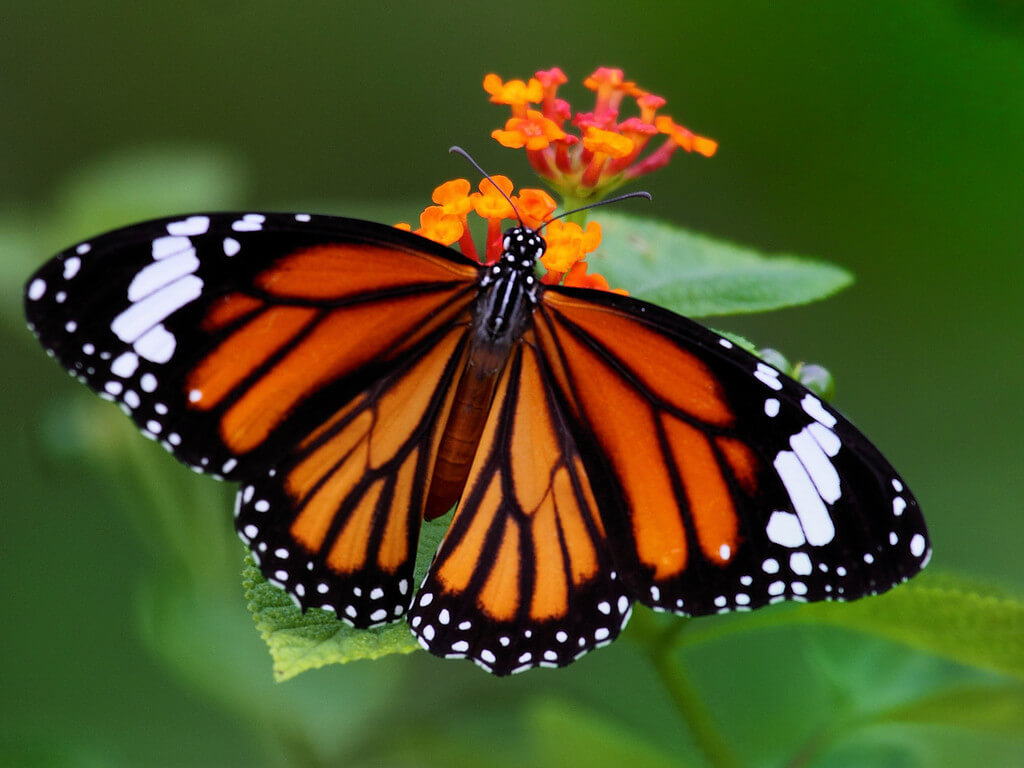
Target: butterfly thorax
column 509, row 290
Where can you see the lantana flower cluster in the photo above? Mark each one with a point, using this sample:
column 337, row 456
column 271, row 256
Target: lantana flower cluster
column 568, row 243
column 585, row 155
column 581, row 155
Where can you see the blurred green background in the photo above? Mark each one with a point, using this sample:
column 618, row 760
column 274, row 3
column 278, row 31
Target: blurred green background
column 883, row 136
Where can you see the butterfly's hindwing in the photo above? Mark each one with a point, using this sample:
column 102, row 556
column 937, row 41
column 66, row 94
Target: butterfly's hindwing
column 523, row 577
column 335, row 523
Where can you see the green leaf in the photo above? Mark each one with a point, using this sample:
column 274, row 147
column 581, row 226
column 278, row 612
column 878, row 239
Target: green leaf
column 699, row 276
column 965, row 620
column 301, row 641
column 962, row 620
column 985, row 708
column 566, row 737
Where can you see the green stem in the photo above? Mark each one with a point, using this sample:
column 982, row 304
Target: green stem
column 659, row 646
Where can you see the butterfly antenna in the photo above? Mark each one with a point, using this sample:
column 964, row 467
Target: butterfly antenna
column 460, row 151
column 646, row 195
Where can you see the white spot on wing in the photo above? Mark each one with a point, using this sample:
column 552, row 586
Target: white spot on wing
column 250, row 222
column 161, row 273
column 125, row 364
column 156, row 345
column 812, row 407
column 170, row 246
column 817, row 464
column 36, row 289
column 771, row 407
column 71, row 267
column 193, row 225
column 231, row 246
column 83, row 249
column 809, row 507
column 825, row 437
column 143, row 315
column 769, row 376
column 784, row 529
column 917, row 545
column 800, row 563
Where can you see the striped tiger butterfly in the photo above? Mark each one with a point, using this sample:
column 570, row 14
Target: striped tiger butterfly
column 356, row 379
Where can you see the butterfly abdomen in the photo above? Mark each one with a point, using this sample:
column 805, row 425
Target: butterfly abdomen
column 503, row 311
column 465, row 424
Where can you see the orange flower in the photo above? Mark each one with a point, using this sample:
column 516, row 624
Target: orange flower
column 607, row 142
column 534, row 206
column 568, row 243
column 453, row 197
column 611, row 86
column 533, row 132
column 649, row 104
column 577, row 277
column 686, row 138
column 609, row 148
column 489, row 202
column 549, row 80
column 438, row 226
column 515, row 93
column 702, row 145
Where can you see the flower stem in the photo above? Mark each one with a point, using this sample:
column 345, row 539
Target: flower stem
column 659, row 646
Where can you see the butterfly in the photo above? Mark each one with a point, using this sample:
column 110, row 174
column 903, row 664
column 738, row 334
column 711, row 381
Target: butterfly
column 356, row 379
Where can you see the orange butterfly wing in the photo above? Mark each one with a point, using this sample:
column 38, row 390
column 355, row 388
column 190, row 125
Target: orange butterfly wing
column 309, row 357
column 336, row 521
column 524, row 576
column 628, row 453
column 722, row 485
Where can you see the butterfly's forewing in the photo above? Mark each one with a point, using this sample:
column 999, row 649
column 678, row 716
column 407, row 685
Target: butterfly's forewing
column 216, row 332
column 256, row 347
column 524, row 576
column 722, row 484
